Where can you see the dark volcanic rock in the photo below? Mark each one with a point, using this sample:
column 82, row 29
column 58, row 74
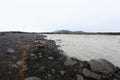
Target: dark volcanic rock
column 101, row 66
column 90, row 74
column 70, row 62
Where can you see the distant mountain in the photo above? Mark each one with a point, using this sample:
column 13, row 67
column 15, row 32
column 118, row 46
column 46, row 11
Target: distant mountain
column 62, row 31
column 68, row 32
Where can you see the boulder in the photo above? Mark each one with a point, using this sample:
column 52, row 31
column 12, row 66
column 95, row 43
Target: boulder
column 70, row 62
column 90, row 74
column 101, row 66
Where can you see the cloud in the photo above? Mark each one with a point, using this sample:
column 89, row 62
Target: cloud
column 49, row 15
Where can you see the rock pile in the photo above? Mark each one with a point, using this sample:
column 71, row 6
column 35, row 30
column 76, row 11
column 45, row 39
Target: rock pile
column 48, row 63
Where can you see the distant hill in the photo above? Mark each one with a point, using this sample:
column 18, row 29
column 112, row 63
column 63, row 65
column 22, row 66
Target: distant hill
column 62, row 31
column 67, row 32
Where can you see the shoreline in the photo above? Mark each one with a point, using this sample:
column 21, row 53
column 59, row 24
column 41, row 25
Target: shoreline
column 31, row 56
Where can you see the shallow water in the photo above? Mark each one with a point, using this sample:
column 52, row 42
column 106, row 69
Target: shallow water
column 87, row 47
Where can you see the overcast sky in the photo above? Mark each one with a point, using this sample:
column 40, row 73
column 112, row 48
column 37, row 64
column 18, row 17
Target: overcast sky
column 50, row 15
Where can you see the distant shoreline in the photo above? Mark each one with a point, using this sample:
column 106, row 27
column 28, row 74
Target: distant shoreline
column 82, row 33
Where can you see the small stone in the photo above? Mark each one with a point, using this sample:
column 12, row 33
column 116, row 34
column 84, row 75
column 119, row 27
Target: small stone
column 53, row 70
column 20, row 62
column 41, row 68
column 90, row 74
column 14, row 57
column 10, row 50
column 79, row 77
column 32, row 78
column 10, row 62
column 51, row 58
column 62, row 72
column 81, row 65
column 117, row 76
column 9, row 72
column 40, row 55
column 13, row 65
column 49, row 76
column 33, row 57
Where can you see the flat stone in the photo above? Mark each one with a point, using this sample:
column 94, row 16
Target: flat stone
column 90, row 74
column 32, row 78
column 70, row 62
column 101, row 66
column 20, row 62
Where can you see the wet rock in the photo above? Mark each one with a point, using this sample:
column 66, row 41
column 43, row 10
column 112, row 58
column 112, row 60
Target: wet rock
column 10, row 50
column 90, row 74
column 101, row 66
column 70, row 62
column 32, row 78
column 79, row 77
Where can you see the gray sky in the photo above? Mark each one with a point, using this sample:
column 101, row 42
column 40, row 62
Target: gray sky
column 50, row 15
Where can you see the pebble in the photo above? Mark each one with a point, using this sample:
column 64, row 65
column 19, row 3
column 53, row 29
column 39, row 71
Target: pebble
column 53, row 70
column 32, row 78
column 20, row 62
column 51, row 58
column 62, row 72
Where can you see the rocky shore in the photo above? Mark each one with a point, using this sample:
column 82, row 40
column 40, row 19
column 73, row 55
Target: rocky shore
column 26, row 56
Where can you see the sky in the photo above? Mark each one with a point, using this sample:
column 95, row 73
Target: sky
column 51, row 15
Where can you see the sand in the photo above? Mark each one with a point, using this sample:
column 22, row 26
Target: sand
column 87, row 47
